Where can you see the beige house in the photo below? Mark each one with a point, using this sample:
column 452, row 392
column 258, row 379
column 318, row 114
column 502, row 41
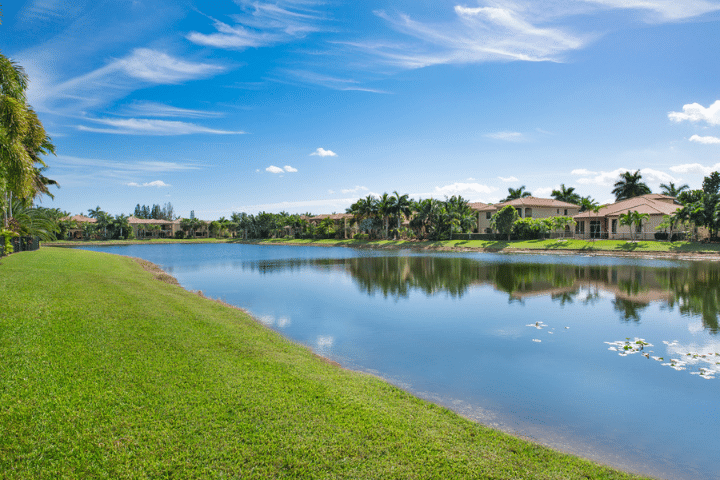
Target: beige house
column 527, row 207
column 606, row 222
column 77, row 233
column 146, row 227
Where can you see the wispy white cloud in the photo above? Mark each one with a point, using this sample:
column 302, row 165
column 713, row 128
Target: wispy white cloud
column 357, row 189
column 155, row 109
column 156, row 183
column 274, row 169
column 290, row 169
column 506, row 136
column 66, row 161
column 321, row 152
column 695, row 112
column 542, row 192
column 508, row 179
column 141, row 68
column 142, row 126
column 583, row 171
column 663, row 10
column 328, row 81
column 695, row 168
column 262, row 24
column 708, row 140
column 482, row 34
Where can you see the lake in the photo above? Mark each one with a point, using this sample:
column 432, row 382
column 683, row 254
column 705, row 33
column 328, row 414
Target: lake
column 613, row 359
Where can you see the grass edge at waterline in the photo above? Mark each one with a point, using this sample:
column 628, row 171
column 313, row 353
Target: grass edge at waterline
column 107, row 372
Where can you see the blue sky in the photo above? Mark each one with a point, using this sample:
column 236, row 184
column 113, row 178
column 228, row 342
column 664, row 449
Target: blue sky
column 305, row 105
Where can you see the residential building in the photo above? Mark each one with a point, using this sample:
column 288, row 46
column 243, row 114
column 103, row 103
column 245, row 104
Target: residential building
column 527, row 207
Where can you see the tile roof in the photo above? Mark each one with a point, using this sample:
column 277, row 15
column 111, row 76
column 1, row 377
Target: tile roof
column 80, row 219
column 528, row 202
column 134, row 220
column 650, row 204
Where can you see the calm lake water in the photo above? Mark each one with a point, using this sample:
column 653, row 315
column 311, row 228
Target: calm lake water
column 534, row 345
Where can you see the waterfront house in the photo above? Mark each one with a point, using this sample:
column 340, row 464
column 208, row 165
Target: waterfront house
column 527, row 207
column 606, row 222
column 76, row 233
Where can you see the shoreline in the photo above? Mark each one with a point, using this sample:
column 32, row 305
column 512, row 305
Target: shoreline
column 434, row 398
column 697, row 255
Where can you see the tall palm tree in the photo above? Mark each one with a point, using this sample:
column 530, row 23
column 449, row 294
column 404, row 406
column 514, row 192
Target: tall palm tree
column 515, row 193
column 95, row 212
column 402, row 207
column 22, row 136
column 385, row 207
column 629, row 185
column 671, row 190
column 566, row 195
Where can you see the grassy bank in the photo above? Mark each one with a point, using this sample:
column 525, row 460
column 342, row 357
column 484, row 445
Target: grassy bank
column 106, row 372
column 620, row 247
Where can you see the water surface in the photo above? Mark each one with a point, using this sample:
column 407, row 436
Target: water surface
column 542, row 346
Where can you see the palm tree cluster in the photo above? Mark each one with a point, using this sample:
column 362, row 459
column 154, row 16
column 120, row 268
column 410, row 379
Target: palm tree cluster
column 22, row 142
column 429, row 218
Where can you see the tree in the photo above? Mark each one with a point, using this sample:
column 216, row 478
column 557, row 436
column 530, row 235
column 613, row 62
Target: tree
column 385, row 207
column 504, row 219
column 95, row 212
column 566, row 195
column 22, row 138
column 515, row 193
column 633, row 218
column 587, row 203
column 402, row 207
column 629, row 185
column 671, row 190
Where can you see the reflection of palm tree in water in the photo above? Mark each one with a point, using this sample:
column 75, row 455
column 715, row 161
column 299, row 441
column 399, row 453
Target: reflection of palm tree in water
column 694, row 289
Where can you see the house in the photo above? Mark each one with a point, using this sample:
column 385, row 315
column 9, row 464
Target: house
column 147, row 227
column 77, row 232
column 527, row 207
column 606, row 222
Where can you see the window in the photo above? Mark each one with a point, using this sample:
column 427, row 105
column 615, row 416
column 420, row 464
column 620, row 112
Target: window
column 595, row 229
column 580, row 227
column 528, row 213
column 558, row 211
column 488, row 230
column 488, row 215
column 614, row 225
column 638, row 227
column 566, row 212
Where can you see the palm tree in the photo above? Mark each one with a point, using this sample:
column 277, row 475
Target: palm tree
column 22, row 136
column 633, row 218
column 95, row 212
column 402, row 207
column 515, row 193
column 385, row 207
column 587, row 203
column 671, row 190
column 566, row 195
column 629, row 185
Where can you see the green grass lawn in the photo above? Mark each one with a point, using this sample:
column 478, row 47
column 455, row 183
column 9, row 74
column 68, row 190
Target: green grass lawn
column 106, row 372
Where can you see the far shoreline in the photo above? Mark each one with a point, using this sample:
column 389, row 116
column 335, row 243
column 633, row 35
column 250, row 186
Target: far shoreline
column 606, row 248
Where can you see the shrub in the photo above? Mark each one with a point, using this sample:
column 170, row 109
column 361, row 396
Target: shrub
column 361, row 236
column 180, row 234
column 661, row 235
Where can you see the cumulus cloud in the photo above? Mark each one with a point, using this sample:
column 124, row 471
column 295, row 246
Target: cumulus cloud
column 705, row 140
column 506, row 136
column 274, row 169
column 694, row 112
column 466, row 190
column 508, row 179
column 321, row 152
column 290, row 169
column 695, row 168
column 144, row 126
column 357, row 189
column 156, row 183
column 649, row 175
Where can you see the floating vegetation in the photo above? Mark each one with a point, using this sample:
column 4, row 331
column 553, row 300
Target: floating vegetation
column 688, row 359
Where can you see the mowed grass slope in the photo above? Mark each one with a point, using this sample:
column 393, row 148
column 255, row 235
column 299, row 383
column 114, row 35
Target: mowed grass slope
column 106, row 372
